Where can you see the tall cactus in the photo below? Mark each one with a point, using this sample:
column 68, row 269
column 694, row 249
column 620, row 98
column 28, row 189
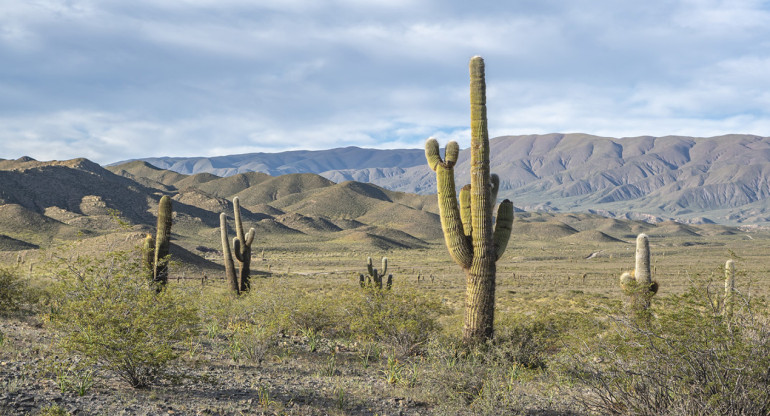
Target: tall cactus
column 241, row 249
column 727, row 307
column 375, row 276
column 468, row 231
column 155, row 251
column 232, row 279
column 639, row 285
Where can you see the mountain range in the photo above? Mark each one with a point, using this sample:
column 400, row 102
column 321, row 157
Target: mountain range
column 720, row 179
column 89, row 209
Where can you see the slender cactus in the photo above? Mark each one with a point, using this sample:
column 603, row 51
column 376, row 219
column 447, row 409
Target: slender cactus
column 468, row 231
column 155, row 250
column 232, row 280
column 241, row 250
column 727, row 307
column 163, row 241
column 148, row 255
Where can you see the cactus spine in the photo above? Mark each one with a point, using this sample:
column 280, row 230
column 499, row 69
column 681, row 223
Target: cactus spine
column 467, row 228
column 375, row 276
column 729, row 288
column 155, row 250
column 639, row 285
column 241, row 249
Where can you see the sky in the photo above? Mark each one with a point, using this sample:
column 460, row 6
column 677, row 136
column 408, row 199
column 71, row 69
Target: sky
column 113, row 80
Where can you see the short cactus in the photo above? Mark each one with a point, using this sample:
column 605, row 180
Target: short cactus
column 155, row 251
column 638, row 284
column 727, row 306
column 241, row 249
column 375, row 276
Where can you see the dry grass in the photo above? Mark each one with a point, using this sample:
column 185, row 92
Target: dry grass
column 543, row 287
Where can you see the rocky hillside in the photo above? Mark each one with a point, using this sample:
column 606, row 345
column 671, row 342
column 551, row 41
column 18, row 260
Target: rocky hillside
column 721, row 179
column 99, row 209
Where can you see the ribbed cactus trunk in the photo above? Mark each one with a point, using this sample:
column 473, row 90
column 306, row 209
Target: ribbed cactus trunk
column 162, row 243
column 468, row 230
column 642, row 271
column 729, row 288
column 232, row 279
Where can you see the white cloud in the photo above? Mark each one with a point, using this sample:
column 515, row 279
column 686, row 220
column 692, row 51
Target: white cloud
column 111, row 80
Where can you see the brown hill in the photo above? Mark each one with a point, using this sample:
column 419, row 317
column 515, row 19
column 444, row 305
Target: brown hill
column 590, row 236
column 12, row 244
column 722, row 179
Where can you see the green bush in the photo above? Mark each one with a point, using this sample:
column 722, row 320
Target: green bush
column 107, row 314
column 15, row 292
column 688, row 359
column 403, row 320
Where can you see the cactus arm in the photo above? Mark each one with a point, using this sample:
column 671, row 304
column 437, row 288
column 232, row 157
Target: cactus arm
column 250, row 236
column 451, row 153
column 238, row 223
column 369, row 266
column 390, row 282
column 227, row 255
column 625, row 280
column 361, row 279
column 503, row 227
column 451, row 223
column 384, row 266
column 465, row 209
column 237, row 249
column 432, row 154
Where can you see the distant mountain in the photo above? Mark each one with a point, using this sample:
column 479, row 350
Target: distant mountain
column 96, row 209
column 298, row 161
column 724, row 179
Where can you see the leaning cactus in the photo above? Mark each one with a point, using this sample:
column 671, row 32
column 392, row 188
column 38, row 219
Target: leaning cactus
column 375, row 276
column 155, row 251
column 241, row 249
column 467, row 228
column 729, row 288
column 638, row 284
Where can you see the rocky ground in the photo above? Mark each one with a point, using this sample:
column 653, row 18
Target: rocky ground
column 202, row 383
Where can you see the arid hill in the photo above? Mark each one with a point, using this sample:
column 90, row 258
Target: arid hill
column 699, row 180
column 42, row 203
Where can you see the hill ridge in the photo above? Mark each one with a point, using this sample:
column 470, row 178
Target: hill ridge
column 725, row 179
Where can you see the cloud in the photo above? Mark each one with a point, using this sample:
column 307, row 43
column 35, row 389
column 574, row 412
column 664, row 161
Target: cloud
column 111, row 80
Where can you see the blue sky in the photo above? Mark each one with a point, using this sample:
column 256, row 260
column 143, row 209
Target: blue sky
column 113, row 80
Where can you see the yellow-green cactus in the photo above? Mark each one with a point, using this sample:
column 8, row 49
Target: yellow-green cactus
column 468, row 230
column 375, row 276
column 232, row 280
column 155, row 251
